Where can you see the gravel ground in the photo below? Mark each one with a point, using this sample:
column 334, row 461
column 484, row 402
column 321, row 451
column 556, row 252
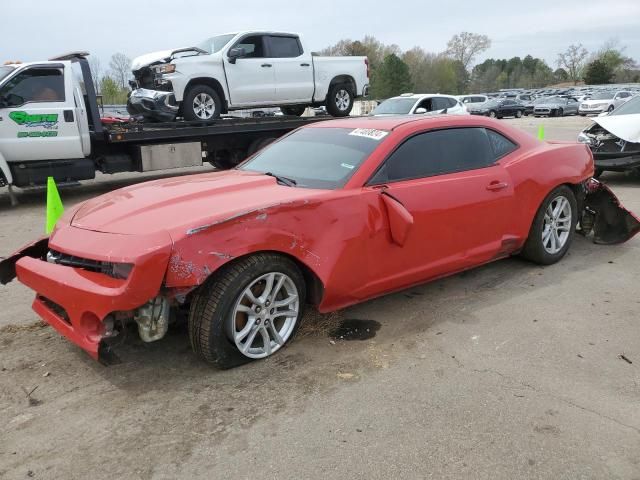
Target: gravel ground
column 506, row 371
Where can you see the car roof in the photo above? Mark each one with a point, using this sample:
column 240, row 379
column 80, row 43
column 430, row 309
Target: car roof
column 393, row 122
column 420, row 96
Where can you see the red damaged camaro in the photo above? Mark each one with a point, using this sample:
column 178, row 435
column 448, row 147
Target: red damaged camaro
column 331, row 215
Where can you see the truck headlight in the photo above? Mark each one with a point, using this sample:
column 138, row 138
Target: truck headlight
column 165, row 68
column 584, row 138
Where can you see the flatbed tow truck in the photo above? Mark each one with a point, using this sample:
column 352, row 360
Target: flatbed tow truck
column 50, row 126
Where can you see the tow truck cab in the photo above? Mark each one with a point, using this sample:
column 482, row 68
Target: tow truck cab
column 46, row 121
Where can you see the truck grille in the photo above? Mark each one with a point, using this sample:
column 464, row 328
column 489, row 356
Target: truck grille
column 115, row 270
column 145, row 78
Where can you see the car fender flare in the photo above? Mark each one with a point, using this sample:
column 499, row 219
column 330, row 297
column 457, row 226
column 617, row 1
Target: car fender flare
column 5, row 171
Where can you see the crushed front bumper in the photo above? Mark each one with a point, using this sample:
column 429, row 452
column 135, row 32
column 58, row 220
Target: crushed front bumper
column 76, row 301
column 155, row 105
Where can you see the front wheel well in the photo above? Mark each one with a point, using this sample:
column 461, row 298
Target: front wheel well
column 210, row 82
column 313, row 283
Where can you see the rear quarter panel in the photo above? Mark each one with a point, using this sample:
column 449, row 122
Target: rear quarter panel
column 537, row 171
column 328, row 68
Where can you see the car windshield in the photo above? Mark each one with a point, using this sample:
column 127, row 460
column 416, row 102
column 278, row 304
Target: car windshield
column 602, row 96
column 317, row 157
column 632, row 106
column 395, row 106
column 4, row 71
column 215, row 44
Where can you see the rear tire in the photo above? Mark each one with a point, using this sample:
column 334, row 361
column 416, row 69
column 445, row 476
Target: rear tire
column 551, row 235
column 340, row 100
column 221, row 310
column 519, row 114
column 201, row 103
column 294, row 110
column 493, row 114
column 610, row 109
column 561, row 112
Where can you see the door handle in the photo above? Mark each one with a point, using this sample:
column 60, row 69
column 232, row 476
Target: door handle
column 305, row 65
column 267, row 65
column 496, row 185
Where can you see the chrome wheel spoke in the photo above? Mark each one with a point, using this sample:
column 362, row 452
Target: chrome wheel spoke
column 257, row 303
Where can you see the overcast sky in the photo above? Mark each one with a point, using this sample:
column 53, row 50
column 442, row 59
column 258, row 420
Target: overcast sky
column 36, row 30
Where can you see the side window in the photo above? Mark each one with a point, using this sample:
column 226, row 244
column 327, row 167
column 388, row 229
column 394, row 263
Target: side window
column 452, row 102
column 500, row 145
column 440, row 103
column 436, row 153
column 284, row 47
column 426, row 104
column 253, row 46
column 34, row 85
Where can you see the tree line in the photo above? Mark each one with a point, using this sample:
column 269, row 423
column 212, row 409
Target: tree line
column 453, row 71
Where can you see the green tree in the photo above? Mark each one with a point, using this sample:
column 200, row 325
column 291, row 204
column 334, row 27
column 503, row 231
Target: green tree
column 598, row 72
column 392, row 77
column 112, row 93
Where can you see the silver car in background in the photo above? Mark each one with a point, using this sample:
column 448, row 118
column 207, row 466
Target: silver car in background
column 556, row 107
column 604, row 102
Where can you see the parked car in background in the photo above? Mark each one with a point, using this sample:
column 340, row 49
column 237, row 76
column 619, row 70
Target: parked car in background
column 334, row 214
column 473, row 100
column 250, row 69
column 556, row 107
column 499, row 108
column 614, row 139
column 426, row 103
column 604, row 102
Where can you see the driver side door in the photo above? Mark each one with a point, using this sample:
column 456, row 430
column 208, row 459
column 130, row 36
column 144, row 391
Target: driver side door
column 442, row 203
column 252, row 78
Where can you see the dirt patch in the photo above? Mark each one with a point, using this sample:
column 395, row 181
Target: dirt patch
column 23, row 328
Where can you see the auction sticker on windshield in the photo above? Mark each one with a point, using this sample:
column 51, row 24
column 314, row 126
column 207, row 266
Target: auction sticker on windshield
column 371, row 133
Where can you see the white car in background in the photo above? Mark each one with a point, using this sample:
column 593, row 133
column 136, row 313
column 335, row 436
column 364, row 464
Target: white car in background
column 472, row 100
column 604, row 102
column 420, row 104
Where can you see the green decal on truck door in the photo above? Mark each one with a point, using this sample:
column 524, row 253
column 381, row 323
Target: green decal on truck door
column 48, row 121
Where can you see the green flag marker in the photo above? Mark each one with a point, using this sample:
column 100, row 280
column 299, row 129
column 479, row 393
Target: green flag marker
column 54, row 205
column 541, row 133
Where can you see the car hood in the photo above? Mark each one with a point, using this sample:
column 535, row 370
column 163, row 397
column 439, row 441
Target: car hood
column 626, row 127
column 160, row 56
column 185, row 205
column 549, row 105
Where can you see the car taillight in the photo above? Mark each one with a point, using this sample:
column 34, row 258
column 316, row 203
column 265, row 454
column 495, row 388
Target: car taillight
column 366, row 62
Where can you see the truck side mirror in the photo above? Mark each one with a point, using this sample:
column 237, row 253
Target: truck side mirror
column 236, row 53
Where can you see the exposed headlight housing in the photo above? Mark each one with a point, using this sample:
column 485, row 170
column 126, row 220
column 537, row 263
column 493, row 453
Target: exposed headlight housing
column 584, row 138
column 165, row 68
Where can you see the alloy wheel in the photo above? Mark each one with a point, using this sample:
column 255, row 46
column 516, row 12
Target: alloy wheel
column 557, row 225
column 265, row 315
column 204, row 106
column 343, row 99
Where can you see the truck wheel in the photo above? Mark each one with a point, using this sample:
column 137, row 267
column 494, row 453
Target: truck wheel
column 248, row 311
column 201, row 103
column 340, row 100
column 553, row 227
column 294, row 110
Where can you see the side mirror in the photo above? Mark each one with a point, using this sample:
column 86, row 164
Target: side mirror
column 420, row 111
column 236, row 53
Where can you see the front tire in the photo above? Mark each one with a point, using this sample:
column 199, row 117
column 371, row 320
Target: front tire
column 610, row 109
column 561, row 113
column 201, row 103
column 553, row 227
column 340, row 100
column 247, row 311
column 493, row 114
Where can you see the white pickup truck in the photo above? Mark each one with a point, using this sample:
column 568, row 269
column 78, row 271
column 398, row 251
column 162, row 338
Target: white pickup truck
column 244, row 70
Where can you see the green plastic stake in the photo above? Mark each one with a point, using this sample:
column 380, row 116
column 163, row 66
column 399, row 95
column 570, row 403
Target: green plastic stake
column 54, row 205
column 541, row 133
